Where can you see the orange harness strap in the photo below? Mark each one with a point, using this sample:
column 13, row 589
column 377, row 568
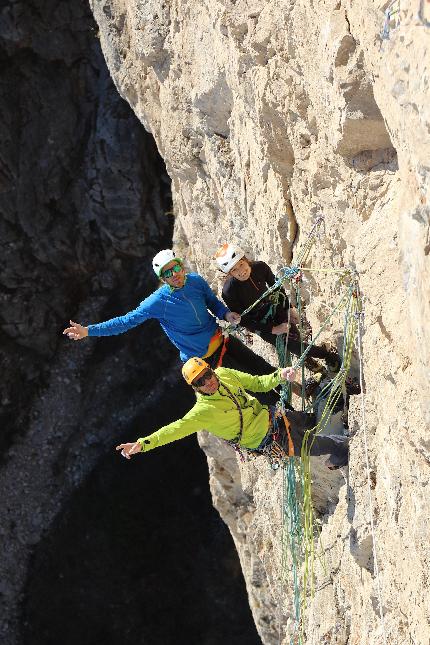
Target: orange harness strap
column 223, row 351
column 215, row 342
column 287, row 429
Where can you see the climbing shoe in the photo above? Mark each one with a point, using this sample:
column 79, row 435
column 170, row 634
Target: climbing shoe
column 332, row 359
column 334, row 462
column 294, row 333
column 306, row 330
column 312, row 383
column 352, row 386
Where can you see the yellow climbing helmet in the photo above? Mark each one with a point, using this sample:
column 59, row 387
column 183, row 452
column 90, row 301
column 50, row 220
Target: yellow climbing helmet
column 192, row 368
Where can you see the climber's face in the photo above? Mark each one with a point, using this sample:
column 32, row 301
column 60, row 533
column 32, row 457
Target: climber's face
column 241, row 270
column 174, row 274
column 206, row 382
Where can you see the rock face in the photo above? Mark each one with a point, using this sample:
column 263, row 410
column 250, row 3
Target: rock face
column 266, row 114
column 72, row 197
column 84, row 202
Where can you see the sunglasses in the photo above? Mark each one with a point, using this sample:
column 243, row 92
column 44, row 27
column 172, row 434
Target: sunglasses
column 199, row 382
column 169, row 272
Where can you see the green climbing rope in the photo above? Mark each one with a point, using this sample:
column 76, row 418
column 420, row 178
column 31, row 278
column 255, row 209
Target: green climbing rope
column 300, row 530
column 292, row 537
column 337, row 387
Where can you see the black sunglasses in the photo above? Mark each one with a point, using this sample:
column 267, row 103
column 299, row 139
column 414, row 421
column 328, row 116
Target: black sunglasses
column 169, row 272
column 199, row 382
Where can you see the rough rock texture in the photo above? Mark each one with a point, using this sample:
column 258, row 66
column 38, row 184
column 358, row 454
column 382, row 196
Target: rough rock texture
column 84, row 198
column 267, row 113
column 72, row 196
column 81, row 205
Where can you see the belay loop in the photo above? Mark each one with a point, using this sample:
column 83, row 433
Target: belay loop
column 275, row 452
column 277, row 298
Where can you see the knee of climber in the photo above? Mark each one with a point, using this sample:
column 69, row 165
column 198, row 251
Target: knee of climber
column 301, row 420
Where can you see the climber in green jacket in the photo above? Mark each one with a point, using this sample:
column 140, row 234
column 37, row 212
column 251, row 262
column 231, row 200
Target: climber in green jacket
column 225, row 409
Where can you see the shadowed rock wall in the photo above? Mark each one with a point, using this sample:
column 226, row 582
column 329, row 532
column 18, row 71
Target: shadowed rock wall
column 82, row 192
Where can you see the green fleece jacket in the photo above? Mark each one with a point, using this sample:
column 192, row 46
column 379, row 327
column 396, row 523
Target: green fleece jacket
column 218, row 414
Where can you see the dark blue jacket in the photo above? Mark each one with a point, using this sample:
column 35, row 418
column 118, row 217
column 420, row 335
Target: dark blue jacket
column 182, row 313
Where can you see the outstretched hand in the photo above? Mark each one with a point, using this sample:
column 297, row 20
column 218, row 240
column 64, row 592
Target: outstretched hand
column 76, row 331
column 128, row 449
column 288, row 374
column 232, row 317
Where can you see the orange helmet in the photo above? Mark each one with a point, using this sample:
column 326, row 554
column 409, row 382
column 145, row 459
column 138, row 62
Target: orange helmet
column 192, row 368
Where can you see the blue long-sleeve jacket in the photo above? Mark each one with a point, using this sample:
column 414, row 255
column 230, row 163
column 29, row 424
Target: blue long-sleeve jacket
column 182, row 313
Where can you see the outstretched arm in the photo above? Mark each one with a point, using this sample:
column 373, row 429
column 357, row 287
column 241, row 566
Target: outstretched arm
column 111, row 327
column 191, row 423
column 265, row 382
column 217, row 307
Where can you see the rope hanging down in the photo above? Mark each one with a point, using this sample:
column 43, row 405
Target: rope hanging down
column 337, row 388
column 292, row 490
column 300, row 531
column 300, row 528
column 299, row 525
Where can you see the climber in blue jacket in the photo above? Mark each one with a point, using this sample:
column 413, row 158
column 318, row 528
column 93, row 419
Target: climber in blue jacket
column 186, row 309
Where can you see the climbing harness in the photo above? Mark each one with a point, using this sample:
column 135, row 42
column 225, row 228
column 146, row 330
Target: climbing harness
column 275, row 299
column 219, row 340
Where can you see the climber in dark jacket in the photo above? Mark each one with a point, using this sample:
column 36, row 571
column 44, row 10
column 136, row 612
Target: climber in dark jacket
column 247, row 281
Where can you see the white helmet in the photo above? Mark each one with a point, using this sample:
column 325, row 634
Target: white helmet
column 227, row 256
column 162, row 258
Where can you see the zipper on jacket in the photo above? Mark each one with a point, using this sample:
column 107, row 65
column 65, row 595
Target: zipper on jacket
column 255, row 286
column 195, row 310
